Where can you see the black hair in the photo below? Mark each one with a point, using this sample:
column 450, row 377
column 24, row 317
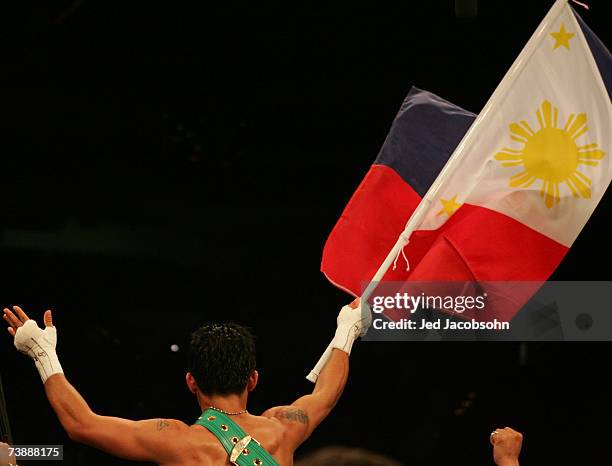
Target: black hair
column 222, row 357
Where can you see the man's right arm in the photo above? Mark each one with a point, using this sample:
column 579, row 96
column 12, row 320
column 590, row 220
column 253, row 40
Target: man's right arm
column 304, row 415
column 307, row 412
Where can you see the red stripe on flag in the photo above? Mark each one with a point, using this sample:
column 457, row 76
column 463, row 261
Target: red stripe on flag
column 479, row 244
column 482, row 244
column 368, row 228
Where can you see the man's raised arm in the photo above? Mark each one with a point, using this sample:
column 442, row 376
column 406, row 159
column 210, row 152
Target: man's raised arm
column 307, row 412
column 151, row 440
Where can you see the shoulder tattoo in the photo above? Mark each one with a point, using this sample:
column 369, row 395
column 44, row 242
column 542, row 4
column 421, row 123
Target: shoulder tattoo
column 162, row 424
column 293, row 414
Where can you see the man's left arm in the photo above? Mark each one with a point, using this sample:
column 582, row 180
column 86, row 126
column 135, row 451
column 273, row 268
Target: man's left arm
column 157, row 440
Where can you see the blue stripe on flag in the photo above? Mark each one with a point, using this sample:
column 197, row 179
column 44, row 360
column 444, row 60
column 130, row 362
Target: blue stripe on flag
column 423, row 135
column 600, row 53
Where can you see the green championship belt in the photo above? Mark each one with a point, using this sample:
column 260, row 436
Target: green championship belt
column 241, row 448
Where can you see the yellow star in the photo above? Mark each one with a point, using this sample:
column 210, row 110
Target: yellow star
column 562, row 38
column 449, row 206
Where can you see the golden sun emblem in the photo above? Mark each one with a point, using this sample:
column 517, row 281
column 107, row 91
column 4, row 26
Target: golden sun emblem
column 551, row 155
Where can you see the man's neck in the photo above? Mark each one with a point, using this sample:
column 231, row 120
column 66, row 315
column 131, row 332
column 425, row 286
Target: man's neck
column 228, row 403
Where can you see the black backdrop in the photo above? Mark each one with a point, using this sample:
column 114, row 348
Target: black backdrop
column 167, row 164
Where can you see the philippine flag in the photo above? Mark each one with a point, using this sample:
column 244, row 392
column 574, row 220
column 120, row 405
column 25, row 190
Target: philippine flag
column 501, row 196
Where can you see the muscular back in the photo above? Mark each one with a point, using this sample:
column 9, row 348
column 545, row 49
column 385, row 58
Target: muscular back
column 196, row 446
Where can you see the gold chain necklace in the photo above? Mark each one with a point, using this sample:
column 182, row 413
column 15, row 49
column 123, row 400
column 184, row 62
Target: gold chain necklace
column 227, row 412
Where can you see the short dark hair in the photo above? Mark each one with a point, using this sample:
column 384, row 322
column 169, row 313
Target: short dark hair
column 222, row 358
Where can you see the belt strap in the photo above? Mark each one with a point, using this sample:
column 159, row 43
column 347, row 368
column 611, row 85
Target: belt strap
column 241, row 448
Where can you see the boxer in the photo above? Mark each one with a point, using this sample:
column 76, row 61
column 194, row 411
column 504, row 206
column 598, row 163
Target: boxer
column 221, row 375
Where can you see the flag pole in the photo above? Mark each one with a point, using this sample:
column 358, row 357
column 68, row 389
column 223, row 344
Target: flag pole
column 453, row 162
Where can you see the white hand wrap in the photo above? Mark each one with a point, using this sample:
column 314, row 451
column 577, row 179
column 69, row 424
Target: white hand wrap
column 40, row 346
column 352, row 323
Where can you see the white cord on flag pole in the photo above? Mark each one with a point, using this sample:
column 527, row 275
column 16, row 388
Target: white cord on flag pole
column 405, row 258
column 453, row 162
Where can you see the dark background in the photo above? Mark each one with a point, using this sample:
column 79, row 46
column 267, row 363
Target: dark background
column 166, row 164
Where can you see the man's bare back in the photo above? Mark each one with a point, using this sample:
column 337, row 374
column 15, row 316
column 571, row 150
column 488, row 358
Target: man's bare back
column 202, row 448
